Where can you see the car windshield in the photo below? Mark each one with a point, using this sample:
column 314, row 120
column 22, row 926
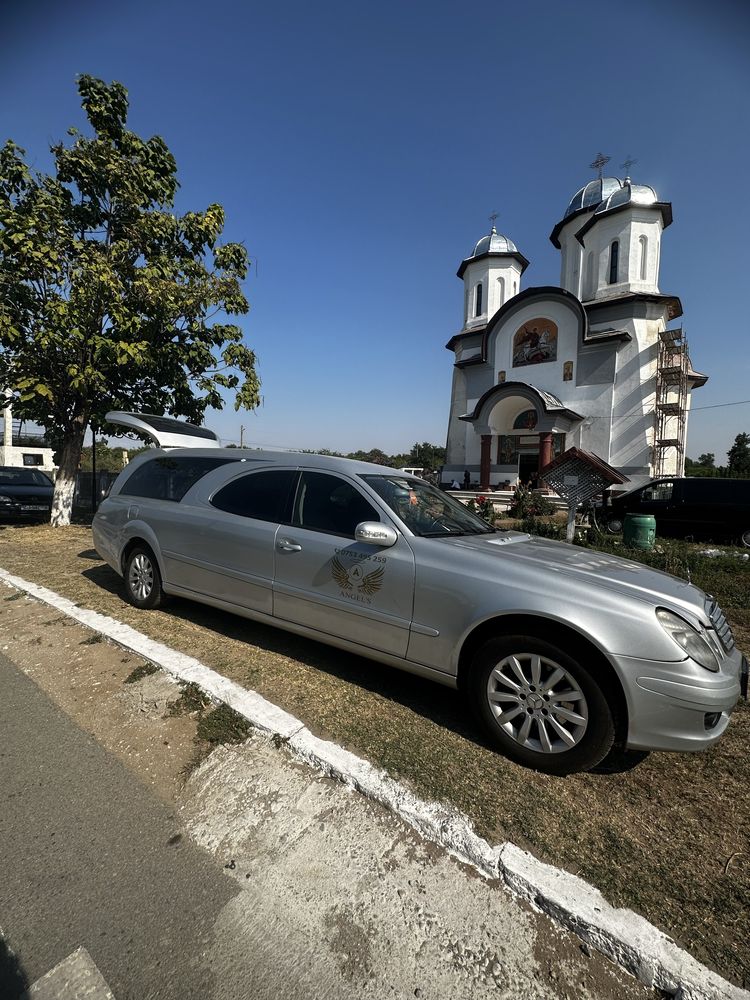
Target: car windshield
column 23, row 477
column 425, row 510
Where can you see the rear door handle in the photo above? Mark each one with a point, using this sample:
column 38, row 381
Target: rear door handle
column 287, row 545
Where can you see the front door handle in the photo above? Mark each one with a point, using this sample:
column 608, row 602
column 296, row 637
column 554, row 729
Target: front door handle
column 287, row 545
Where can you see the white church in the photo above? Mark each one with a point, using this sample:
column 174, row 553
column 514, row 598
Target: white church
column 595, row 364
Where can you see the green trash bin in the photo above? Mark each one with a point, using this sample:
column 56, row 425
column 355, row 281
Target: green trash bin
column 639, row 530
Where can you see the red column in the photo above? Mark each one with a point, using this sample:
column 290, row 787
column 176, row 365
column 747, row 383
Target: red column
column 484, row 475
column 545, row 452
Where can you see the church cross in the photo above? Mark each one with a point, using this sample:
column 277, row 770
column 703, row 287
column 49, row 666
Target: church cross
column 599, row 162
column 493, row 216
column 628, row 164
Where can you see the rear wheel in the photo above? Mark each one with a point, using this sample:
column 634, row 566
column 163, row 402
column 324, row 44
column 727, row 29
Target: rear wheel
column 614, row 525
column 745, row 538
column 541, row 706
column 143, row 579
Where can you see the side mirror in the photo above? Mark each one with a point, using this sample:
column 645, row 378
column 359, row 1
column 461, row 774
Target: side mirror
column 375, row 533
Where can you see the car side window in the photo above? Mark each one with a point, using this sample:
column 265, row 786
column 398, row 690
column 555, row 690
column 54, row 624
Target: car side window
column 262, row 495
column 659, row 491
column 169, row 477
column 327, row 503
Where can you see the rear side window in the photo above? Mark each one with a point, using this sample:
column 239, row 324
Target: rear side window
column 169, row 477
column 262, row 495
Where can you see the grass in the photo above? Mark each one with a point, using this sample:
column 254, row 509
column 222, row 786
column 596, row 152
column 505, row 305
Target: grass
column 668, row 837
column 191, row 699
column 92, row 640
column 141, row 671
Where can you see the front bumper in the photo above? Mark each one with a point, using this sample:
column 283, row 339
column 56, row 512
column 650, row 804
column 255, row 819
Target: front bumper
column 25, row 512
column 680, row 706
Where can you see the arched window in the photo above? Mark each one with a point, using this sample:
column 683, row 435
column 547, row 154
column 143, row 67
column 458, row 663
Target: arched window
column 501, row 289
column 478, row 300
column 643, row 241
column 515, row 287
column 614, row 254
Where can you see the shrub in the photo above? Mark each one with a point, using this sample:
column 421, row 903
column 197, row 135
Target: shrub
column 483, row 507
column 543, row 529
column 528, row 503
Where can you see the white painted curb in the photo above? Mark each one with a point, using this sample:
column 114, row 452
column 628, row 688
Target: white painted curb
column 622, row 935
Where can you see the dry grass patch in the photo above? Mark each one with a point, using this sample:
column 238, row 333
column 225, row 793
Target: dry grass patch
column 668, row 838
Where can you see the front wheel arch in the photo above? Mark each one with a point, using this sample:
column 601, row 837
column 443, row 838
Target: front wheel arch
column 557, row 634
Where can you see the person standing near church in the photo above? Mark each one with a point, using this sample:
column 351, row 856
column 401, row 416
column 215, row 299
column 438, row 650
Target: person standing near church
column 467, row 479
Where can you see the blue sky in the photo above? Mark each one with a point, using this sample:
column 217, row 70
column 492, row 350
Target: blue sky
column 358, row 150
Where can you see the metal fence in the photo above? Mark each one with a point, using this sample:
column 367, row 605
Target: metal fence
column 88, row 493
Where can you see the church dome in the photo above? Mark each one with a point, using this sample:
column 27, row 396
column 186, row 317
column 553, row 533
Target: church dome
column 494, row 243
column 593, row 194
column 628, row 194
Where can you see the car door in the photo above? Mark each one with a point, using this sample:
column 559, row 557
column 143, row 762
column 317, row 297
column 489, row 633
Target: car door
column 662, row 500
column 329, row 582
column 222, row 544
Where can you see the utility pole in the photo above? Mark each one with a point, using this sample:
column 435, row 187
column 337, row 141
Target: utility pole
column 242, row 435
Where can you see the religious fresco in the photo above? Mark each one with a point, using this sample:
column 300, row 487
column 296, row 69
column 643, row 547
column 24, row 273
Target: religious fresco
column 535, row 342
column 568, row 371
column 525, row 421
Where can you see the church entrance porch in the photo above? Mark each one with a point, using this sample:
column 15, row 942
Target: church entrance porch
column 518, row 457
column 520, row 430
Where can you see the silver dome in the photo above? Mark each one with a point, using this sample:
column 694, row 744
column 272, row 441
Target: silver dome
column 628, row 194
column 494, row 243
column 593, row 194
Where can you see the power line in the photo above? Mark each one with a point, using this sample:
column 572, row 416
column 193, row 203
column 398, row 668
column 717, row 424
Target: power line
column 715, row 406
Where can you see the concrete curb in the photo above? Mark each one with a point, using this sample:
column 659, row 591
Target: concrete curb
column 621, row 935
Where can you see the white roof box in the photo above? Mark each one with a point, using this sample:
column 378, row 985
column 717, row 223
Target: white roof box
column 165, row 431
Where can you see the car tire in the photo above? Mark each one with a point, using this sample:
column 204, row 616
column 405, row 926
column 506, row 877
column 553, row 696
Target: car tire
column 143, row 579
column 516, row 687
column 745, row 538
column 614, row 526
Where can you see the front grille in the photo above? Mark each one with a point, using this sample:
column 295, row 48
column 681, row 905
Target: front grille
column 720, row 624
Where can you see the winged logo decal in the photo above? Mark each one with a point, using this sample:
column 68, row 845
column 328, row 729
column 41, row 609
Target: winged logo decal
column 355, row 580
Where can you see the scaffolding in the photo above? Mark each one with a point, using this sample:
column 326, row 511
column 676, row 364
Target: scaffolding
column 672, row 371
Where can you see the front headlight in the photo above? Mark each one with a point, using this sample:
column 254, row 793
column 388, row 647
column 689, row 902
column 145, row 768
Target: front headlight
column 688, row 639
column 4, row 499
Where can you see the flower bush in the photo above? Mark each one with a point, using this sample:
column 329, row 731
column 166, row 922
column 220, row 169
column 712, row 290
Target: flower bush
column 482, row 506
column 528, row 503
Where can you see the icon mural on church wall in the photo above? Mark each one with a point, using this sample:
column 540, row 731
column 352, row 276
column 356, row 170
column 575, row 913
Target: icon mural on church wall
column 535, row 342
column 568, row 371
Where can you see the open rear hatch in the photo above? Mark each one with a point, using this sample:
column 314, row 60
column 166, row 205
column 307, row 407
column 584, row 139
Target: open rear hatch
column 166, row 432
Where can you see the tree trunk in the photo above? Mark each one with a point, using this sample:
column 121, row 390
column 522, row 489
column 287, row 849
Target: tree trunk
column 65, row 481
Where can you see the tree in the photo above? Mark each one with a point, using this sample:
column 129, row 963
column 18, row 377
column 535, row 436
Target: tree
column 428, row 456
column 108, row 300
column 706, row 460
column 107, row 459
column 739, row 456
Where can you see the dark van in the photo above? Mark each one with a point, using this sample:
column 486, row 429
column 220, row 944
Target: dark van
column 709, row 509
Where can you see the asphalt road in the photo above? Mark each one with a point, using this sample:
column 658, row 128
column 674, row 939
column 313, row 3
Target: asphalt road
column 90, row 857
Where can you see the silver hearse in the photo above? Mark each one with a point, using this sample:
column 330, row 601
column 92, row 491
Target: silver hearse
column 563, row 652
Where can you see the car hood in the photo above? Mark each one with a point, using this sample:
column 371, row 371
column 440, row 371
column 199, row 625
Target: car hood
column 599, row 569
column 17, row 491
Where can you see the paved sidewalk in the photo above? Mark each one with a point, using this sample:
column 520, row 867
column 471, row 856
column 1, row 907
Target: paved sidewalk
column 261, row 878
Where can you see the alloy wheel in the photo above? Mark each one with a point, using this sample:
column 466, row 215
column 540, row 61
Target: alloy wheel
column 537, row 703
column 141, row 577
